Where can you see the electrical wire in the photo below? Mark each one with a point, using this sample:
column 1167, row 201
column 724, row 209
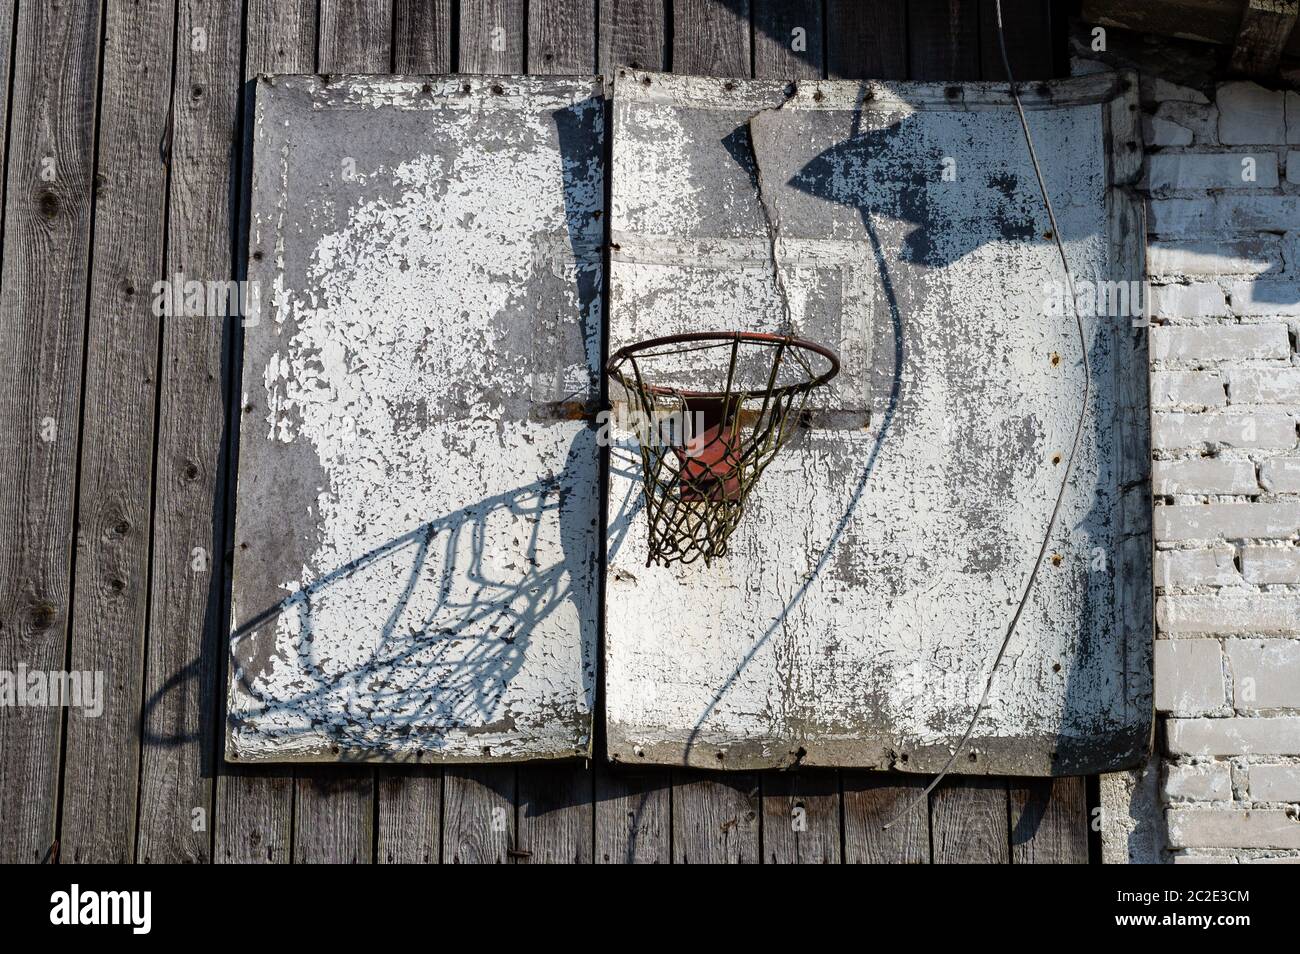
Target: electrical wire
column 1074, row 447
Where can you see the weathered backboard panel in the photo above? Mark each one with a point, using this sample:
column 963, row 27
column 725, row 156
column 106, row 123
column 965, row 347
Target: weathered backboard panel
column 417, row 530
column 881, row 556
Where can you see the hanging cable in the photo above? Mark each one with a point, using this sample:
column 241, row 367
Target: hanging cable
column 1074, row 447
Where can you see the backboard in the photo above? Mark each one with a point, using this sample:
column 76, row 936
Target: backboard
column 417, row 532
column 872, row 578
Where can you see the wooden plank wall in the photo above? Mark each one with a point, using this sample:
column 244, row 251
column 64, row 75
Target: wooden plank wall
column 118, row 425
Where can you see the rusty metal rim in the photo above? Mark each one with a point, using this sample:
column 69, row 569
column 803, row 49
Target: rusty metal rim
column 753, row 337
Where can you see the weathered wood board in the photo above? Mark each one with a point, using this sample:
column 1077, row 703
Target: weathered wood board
column 881, row 556
column 415, row 570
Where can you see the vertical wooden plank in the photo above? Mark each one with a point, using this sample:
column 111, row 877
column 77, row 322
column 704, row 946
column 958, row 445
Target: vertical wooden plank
column 183, row 655
column 801, row 810
column 478, row 814
column 8, row 13
column 943, row 39
column 801, row 817
column 866, row 39
column 7, row 23
column 492, row 36
column 633, row 817
column 633, row 33
column 254, row 815
column 715, row 818
column 1029, row 39
column 968, row 821
column 280, row 37
column 555, row 801
column 101, row 773
column 334, row 806
column 1049, row 820
column 356, row 36
column 333, row 815
column 255, row 804
column 872, row 800
column 562, row 37
column 47, row 228
column 422, row 36
column 710, row 38
column 410, row 815
column 788, row 39
column 555, row 822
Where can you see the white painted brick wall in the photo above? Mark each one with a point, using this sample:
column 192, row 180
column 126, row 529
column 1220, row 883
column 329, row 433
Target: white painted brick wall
column 1201, row 389
column 1265, row 673
column 1262, row 386
column 1201, row 828
column 1213, row 170
column 1249, row 113
column 1221, row 342
column 1189, row 676
column 1180, row 568
column 1204, row 781
column 1249, row 255
column 1234, row 427
column 1280, row 564
column 1227, row 521
column 1224, row 260
column 1204, row 475
column 1233, row 736
column 1280, row 475
column 1274, row 783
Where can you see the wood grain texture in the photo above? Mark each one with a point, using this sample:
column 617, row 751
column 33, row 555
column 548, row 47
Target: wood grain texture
column 184, row 649
column 254, row 817
column 280, row 37
column 634, row 33
column 872, row 800
column 356, row 36
column 1049, row 821
column 716, row 818
column 1028, row 28
column 422, row 36
column 255, row 805
column 968, row 821
column 333, row 815
column 47, row 231
column 711, row 38
column 555, row 814
column 1266, row 26
column 801, row 817
column 492, row 36
column 478, row 814
column 788, row 39
column 943, row 39
column 8, row 15
column 410, row 815
column 562, row 37
column 633, row 817
column 101, row 771
column 866, row 39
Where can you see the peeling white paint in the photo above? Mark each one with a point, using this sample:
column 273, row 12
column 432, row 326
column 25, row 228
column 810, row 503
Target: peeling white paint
column 875, row 571
column 436, row 594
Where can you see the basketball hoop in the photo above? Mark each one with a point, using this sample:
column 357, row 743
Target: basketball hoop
column 712, row 409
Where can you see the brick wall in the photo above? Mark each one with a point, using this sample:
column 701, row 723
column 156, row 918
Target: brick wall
column 1223, row 179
